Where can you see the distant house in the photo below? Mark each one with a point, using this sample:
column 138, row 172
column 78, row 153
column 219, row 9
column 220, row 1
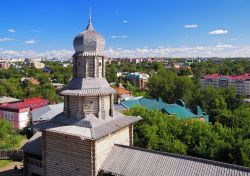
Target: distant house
column 65, row 65
column 37, row 64
column 47, row 70
column 5, row 99
column 122, row 93
column 17, row 113
column 32, row 80
column 4, row 65
column 141, row 79
column 34, row 63
column 119, row 74
column 179, row 109
column 58, row 86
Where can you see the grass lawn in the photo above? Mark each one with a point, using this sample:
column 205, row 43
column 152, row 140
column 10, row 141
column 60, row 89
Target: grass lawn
column 4, row 163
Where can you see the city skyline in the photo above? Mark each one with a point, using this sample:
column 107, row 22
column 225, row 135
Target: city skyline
column 132, row 29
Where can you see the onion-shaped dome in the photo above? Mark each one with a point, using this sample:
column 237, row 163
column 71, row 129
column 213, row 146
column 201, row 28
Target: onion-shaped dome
column 89, row 42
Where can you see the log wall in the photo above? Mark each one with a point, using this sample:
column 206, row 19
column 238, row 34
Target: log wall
column 104, row 146
column 88, row 66
column 66, row 155
column 79, row 107
column 105, row 106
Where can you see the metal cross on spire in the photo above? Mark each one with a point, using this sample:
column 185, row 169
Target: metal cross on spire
column 90, row 26
column 90, row 15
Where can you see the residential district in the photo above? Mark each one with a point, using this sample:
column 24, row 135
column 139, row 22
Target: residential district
column 156, row 116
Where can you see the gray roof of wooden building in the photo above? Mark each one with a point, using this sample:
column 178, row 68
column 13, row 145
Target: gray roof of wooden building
column 46, row 113
column 94, row 128
column 34, row 145
column 88, row 87
column 91, row 128
column 132, row 161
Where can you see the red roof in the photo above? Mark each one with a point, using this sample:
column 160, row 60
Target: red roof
column 32, row 104
column 233, row 77
column 122, row 90
column 240, row 77
column 212, row 76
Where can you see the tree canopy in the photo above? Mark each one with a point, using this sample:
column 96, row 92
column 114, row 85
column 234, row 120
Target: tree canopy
column 9, row 138
column 166, row 133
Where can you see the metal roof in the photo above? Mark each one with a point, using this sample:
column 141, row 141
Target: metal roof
column 132, row 161
column 32, row 103
column 8, row 99
column 47, row 112
column 152, row 104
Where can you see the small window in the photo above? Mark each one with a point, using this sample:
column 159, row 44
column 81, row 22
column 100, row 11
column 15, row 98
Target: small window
column 100, row 64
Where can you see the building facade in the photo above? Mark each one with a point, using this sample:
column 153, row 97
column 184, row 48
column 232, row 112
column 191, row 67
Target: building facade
column 17, row 113
column 240, row 82
column 140, row 79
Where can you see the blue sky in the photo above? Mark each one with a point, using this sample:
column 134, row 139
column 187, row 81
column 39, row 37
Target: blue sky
column 131, row 27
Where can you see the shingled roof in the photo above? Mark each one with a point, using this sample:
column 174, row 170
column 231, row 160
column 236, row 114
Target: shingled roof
column 88, row 87
column 91, row 128
column 34, row 145
column 132, row 161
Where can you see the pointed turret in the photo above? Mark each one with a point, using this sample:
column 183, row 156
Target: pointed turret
column 88, row 92
column 90, row 26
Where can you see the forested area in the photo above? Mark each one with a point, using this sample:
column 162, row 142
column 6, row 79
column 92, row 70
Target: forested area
column 223, row 67
column 226, row 138
column 158, row 131
column 11, row 85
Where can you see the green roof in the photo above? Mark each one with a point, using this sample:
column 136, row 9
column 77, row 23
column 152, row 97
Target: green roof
column 179, row 111
column 172, row 109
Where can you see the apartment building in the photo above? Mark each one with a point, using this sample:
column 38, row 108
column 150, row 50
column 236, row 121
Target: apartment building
column 240, row 82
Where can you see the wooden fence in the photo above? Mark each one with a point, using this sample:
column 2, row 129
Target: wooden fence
column 12, row 154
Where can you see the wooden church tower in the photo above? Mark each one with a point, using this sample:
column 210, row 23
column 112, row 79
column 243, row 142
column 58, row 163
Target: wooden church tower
column 77, row 141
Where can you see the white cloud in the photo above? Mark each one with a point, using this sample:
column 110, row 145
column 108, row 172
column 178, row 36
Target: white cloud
column 119, row 36
column 234, row 39
column 224, row 46
column 191, row 26
column 12, row 30
column 201, row 51
column 218, row 32
column 6, row 39
column 30, row 42
column 125, row 21
column 222, row 50
column 30, row 53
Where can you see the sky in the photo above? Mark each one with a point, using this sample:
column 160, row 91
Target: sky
column 132, row 28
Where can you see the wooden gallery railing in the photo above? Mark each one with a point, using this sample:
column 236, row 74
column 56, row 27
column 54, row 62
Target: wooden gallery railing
column 12, row 154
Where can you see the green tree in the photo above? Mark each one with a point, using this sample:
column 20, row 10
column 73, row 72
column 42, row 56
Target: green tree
column 163, row 132
column 9, row 138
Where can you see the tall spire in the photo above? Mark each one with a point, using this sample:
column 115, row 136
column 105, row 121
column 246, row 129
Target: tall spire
column 90, row 15
column 90, row 26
